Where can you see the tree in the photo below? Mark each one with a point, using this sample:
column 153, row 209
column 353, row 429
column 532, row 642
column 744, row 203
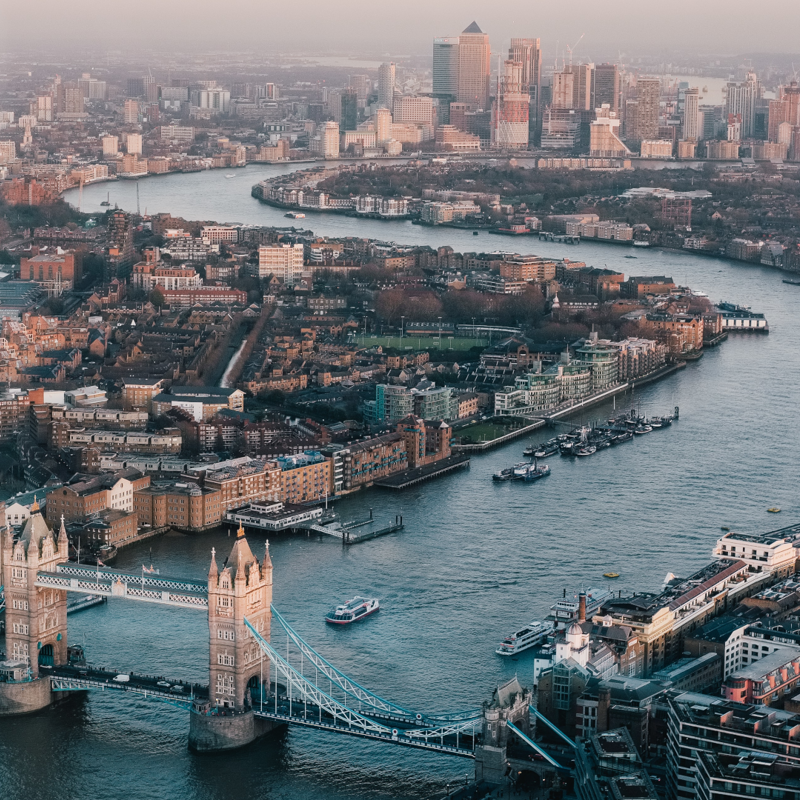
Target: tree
column 391, row 305
column 157, row 299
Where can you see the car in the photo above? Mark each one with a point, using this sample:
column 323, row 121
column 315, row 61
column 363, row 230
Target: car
column 121, row 678
column 177, row 689
column 164, row 684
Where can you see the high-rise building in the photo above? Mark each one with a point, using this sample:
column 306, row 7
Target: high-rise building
column 134, row 87
column 285, row 261
column 741, row 99
column 691, row 115
column 343, row 105
column 606, row 87
column 563, row 90
column 133, row 143
column 363, row 86
column 409, row 108
column 474, row 54
column 386, row 83
column 69, row 98
column 326, row 142
column 383, row 126
column 150, row 89
column 511, row 108
column 583, row 78
column 529, row 53
column 131, row 112
column 120, row 254
column 110, row 145
column 604, row 141
column 641, row 120
column 445, row 67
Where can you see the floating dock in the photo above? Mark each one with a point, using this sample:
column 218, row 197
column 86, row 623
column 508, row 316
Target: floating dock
column 411, row 477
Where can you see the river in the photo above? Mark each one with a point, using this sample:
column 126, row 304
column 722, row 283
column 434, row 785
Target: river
column 475, row 558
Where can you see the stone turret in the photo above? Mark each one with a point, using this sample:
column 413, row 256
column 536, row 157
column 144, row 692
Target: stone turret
column 36, row 618
column 241, row 588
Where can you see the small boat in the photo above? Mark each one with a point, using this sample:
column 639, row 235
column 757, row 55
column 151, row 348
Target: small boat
column 504, row 474
column 611, row 574
column 567, row 448
column 474, row 233
column 525, row 638
column 295, row 215
column 352, row 611
column 625, row 436
column 585, row 450
column 630, row 256
column 792, row 281
column 531, row 472
column 640, row 430
column 774, row 510
column 230, row 175
column 724, row 528
column 542, row 450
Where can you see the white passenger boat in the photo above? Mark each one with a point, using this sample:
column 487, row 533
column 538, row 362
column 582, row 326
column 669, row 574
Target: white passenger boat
column 525, row 638
column 353, row 610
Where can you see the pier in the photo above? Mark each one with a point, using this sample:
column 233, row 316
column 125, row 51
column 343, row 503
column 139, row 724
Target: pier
column 411, row 477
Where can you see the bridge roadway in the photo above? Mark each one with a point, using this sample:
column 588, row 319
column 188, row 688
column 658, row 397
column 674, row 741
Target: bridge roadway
column 86, row 678
column 148, row 588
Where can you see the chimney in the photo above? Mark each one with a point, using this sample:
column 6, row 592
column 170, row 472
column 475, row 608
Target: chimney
column 582, row 608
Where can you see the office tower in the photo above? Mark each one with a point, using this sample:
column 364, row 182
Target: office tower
column 691, row 114
column 110, row 145
column 133, row 143
column 386, row 82
column 131, row 112
column 582, row 83
column 529, row 53
column 134, row 87
column 644, row 114
column 511, row 107
column 473, row 67
column 69, row 98
column 343, row 105
column 741, row 99
column 408, row 108
column 563, row 90
column 445, row 67
column 606, row 87
column 150, row 89
column 383, row 126
column 44, row 108
column 734, row 127
column 329, row 140
column 363, row 86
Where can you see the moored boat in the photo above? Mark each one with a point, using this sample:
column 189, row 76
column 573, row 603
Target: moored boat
column 504, row 474
column 525, row 638
column 585, row 450
column 352, row 611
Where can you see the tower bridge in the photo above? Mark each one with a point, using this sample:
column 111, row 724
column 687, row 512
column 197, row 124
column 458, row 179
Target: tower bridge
column 255, row 684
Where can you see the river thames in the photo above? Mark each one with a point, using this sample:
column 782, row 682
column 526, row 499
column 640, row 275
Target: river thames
column 475, row 560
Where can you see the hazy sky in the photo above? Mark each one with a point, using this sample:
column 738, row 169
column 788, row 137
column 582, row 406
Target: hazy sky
column 404, row 26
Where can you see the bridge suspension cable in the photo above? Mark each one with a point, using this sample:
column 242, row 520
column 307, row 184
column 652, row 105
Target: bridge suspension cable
column 365, row 696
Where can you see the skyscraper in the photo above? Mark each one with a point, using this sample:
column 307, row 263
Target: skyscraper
column 474, row 54
column 582, row 85
column 606, row 87
column 445, row 67
column 383, row 126
column 691, row 114
column 386, row 81
column 741, row 100
column 529, row 53
column 643, row 123
column 511, row 106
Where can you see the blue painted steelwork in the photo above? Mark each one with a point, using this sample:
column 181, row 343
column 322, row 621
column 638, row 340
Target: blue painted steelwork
column 525, row 738
column 384, row 708
column 553, row 727
column 320, row 710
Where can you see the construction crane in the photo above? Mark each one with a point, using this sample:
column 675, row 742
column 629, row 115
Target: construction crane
column 571, row 49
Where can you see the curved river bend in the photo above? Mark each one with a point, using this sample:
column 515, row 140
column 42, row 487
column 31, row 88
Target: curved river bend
column 474, row 560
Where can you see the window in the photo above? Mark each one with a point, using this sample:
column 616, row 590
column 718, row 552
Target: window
column 225, row 659
column 19, row 628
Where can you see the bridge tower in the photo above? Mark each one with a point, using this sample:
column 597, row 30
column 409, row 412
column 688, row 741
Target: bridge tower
column 36, row 618
column 510, row 703
column 238, row 669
